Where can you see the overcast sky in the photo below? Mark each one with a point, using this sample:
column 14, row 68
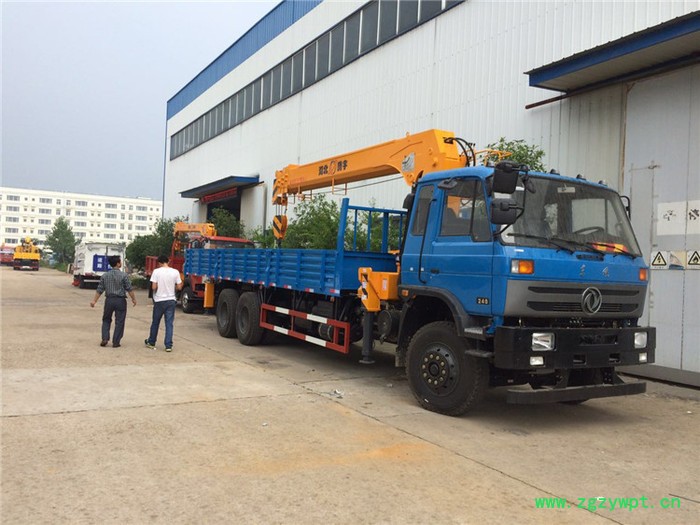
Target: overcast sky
column 85, row 87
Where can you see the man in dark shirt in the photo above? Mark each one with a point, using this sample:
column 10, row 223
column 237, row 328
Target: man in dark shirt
column 116, row 285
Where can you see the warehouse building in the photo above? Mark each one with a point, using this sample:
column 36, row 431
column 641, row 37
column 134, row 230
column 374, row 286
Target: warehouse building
column 609, row 90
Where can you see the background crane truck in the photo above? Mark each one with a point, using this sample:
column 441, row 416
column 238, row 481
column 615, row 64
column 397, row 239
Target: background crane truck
column 503, row 277
column 26, row 256
column 192, row 235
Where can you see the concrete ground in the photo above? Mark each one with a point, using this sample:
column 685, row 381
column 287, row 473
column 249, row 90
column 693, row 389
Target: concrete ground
column 216, row 432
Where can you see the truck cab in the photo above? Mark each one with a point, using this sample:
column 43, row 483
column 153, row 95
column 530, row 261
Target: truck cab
column 543, row 274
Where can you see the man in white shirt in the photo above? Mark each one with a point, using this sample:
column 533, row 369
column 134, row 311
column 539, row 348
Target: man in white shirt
column 165, row 281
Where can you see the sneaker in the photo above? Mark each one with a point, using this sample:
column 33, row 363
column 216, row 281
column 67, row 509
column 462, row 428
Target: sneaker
column 116, row 345
column 149, row 344
column 104, row 342
column 168, row 348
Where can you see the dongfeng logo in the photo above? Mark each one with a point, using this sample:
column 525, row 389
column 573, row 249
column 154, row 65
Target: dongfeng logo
column 591, row 300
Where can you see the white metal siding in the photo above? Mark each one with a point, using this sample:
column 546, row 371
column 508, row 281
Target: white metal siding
column 462, row 71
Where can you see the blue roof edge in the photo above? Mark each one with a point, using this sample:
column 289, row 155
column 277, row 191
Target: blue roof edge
column 663, row 32
column 280, row 18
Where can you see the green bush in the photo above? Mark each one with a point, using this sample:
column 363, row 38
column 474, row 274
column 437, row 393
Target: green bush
column 139, row 282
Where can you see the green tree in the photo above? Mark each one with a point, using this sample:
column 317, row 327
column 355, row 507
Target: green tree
column 226, row 223
column 62, row 241
column 521, row 152
column 315, row 224
column 159, row 242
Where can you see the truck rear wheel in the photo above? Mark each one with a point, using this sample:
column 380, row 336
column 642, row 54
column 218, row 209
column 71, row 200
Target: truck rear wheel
column 443, row 378
column 250, row 333
column 226, row 312
column 81, row 282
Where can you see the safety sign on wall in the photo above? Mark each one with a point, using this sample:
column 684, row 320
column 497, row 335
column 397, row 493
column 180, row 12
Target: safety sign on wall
column 675, row 260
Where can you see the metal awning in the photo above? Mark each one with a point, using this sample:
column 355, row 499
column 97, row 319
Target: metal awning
column 220, row 185
column 667, row 46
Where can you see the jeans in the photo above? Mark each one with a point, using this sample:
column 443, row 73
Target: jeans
column 116, row 306
column 160, row 309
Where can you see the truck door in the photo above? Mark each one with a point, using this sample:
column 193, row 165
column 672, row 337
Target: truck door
column 459, row 254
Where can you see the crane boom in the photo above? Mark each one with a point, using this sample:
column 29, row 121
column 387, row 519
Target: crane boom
column 410, row 156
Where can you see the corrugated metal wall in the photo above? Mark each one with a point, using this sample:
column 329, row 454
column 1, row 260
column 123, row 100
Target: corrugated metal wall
column 462, row 71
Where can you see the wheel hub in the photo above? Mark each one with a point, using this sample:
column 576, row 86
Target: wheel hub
column 438, row 370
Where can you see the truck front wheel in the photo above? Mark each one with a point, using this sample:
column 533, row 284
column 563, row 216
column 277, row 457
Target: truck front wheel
column 226, row 312
column 443, row 378
column 250, row 333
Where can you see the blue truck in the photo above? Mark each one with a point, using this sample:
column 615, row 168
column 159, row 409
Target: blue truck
column 497, row 276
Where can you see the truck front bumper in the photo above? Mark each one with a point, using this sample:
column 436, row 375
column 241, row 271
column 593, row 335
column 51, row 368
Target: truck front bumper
column 573, row 393
column 515, row 348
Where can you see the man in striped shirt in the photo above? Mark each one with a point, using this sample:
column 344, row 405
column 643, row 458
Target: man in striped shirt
column 115, row 284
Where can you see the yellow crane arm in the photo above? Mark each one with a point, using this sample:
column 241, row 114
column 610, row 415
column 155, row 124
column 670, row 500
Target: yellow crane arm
column 410, row 156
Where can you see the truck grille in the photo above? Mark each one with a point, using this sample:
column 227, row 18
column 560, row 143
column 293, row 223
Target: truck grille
column 542, row 299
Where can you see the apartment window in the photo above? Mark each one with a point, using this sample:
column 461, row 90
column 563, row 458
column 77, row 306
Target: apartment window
column 10, row 240
column 67, row 202
column 110, row 226
column 111, row 205
column 79, row 235
column 123, row 207
column 12, row 219
column 12, row 230
column 43, row 221
column 110, row 215
column 58, row 212
column 141, row 208
column 81, row 203
column 110, row 235
column 13, row 197
column 81, row 214
column 44, row 211
column 140, row 228
column 44, row 200
column 141, row 218
column 80, row 224
column 43, row 232
column 12, row 208
column 58, row 201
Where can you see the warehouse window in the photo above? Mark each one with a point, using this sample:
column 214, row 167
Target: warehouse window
column 310, row 65
column 337, row 37
column 374, row 24
column 370, row 17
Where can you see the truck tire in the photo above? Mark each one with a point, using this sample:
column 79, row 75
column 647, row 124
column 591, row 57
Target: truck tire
column 188, row 305
column 226, row 312
column 250, row 333
column 442, row 377
column 81, row 282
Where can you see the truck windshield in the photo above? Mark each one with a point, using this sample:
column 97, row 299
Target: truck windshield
column 566, row 215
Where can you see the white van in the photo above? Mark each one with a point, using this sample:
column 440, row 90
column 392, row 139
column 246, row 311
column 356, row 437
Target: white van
column 90, row 261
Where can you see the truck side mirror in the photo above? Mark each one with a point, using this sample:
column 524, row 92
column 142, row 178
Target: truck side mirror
column 408, row 201
column 505, row 177
column 504, row 211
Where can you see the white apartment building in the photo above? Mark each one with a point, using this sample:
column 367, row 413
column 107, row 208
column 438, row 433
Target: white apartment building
column 32, row 213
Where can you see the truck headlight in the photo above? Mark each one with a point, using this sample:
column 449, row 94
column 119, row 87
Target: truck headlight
column 544, row 341
column 640, row 339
